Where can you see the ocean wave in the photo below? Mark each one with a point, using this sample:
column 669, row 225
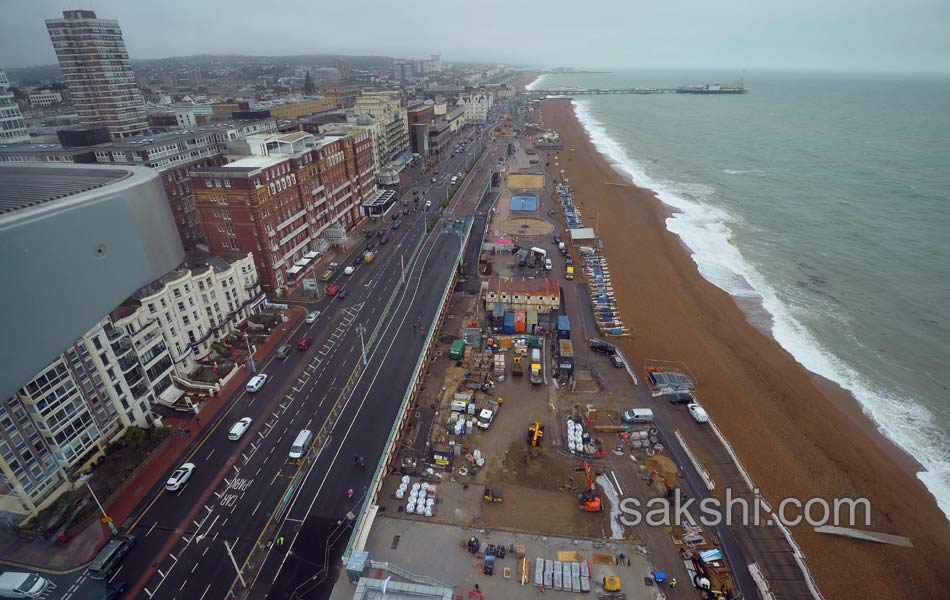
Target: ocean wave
column 705, row 229
column 740, row 172
column 535, row 83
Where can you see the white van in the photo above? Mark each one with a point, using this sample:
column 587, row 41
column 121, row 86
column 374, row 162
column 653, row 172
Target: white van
column 638, row 415
column 454, row 180
column 301, row 444
column 22, row 585
column 256, row 382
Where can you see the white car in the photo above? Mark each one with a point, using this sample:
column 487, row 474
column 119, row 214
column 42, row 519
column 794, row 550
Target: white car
column 547, row 264
column 434, row 180
column 238, row 429
column 312, row 317
column 257, row 382
column 180, row 477
column 349, row 270
column 698, row 412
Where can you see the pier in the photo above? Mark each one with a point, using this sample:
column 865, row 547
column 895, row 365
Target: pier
column 711, row 89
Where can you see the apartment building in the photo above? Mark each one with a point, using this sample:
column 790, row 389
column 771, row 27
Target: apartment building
column 12, row 126
column 386, row 109
column 109, row 379
column 193, row 306
column 293, row 198
column 97, row 72
column 477, row 105
column 44, row 98
column 341, row 95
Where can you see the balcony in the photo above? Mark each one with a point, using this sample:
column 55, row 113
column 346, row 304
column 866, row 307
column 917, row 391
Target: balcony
column 121, row 347
column 127, row 362
column 139, row 391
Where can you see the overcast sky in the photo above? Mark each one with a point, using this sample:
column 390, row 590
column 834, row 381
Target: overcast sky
column 868, row 35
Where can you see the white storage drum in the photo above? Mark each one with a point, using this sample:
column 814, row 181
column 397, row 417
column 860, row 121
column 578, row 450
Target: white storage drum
column 405, row 480
column 400, row 493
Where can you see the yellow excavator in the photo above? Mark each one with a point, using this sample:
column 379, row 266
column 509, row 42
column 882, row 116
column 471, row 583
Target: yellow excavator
column 535, row 434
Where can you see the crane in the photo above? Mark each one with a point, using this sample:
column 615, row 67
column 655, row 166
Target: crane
column 590, row 499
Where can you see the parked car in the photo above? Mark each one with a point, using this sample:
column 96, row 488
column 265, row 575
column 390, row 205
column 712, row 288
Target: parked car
column 304, row 342
column 547, row 264
column 349, row 270
column 616, row 361
column 312, row 317
column 396, row 225
column 256, row 382
column 433, row 180
column 180, row 477
column 603, row 347
column 699, row 413
column 681, row 398
column 238, row 429
column 284, row 351
column 334, row 289
column 557, row 240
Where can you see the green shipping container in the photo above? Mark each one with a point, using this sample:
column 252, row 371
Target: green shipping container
column 457, row 349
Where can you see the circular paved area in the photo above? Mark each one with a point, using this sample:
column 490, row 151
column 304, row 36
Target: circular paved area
column 526, row 226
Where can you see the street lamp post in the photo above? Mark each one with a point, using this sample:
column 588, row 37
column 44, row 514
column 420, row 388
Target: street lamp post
column 250, row 354
column 105, row 518
column 361, row 331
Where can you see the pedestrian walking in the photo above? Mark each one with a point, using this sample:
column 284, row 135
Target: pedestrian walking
column 673, row 583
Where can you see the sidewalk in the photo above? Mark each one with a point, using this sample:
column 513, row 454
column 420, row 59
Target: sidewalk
column 123, row 506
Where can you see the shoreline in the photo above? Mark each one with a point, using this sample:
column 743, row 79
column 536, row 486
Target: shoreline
column 800, row 435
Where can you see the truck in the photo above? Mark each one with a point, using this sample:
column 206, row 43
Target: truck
column 457, row 350
column 569, row 272
column 22, row 585
column 537, row 372
column 487, row 414
column 565, row 360
column 517, row 368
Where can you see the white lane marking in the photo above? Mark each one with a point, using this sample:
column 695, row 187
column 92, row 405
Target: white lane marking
column 151, row 528
column 209, row 454
column 362, row 403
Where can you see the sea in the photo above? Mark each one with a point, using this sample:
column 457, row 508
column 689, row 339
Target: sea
column 821, row 202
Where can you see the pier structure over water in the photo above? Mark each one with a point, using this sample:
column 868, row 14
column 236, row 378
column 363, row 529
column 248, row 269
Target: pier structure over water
column 711, row 89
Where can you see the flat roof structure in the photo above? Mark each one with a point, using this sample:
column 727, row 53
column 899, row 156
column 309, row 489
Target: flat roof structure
column 77, row 240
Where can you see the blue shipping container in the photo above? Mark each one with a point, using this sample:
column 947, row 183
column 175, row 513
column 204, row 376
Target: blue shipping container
column 509, row 326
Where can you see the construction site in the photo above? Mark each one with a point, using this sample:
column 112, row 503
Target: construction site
column 530, row 428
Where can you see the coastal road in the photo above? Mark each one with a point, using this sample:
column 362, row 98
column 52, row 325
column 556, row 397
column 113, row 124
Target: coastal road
column 316, row 526
column 236, row 485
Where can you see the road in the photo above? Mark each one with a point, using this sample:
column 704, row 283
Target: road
column 186, row 539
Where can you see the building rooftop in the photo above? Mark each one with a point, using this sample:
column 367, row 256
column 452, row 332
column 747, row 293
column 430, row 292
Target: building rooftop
column 24, row 187
column 523, row 285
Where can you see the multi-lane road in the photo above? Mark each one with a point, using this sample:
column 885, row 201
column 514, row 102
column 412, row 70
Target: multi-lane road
column 243, row 495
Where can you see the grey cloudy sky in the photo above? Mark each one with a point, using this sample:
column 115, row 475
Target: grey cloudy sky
column 885, row 35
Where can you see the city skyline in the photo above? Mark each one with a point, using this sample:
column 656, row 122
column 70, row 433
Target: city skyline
column 875, row 36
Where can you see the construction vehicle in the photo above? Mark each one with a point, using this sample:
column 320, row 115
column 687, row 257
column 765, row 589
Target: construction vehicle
column 517, row 368
column 590, row 500
column 611, row 583
column 491, row 495
column 535, row 434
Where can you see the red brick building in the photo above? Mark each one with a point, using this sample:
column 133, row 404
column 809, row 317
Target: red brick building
column 292, row 199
